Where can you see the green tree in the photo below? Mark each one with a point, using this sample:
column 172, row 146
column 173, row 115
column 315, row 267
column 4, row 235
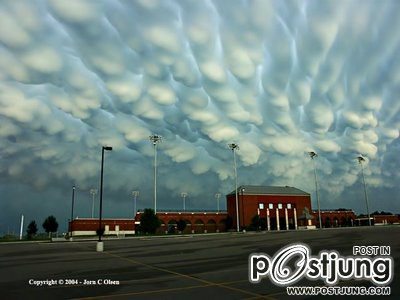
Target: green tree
column 50, row 225
column 100, row 231
column 32, row 229
column 381, row 213
column 258, row 223
column 228, row 222
column 181, row 225
column 149, row 222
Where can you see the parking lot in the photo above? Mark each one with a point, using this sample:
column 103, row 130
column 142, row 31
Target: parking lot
column 172, row 267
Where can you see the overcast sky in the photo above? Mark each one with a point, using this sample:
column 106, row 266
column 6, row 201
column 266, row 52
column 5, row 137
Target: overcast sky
column 277, row 77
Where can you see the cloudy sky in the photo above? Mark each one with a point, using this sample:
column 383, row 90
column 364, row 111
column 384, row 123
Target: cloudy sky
column 277, row 77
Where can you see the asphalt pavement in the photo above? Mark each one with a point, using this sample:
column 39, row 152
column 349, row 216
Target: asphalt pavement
column 175, row 267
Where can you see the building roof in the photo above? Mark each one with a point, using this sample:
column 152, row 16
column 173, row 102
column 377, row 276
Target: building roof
column 269, row 190
column 339, row 210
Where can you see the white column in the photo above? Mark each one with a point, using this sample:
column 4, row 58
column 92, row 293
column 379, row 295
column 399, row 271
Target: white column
column 287, row 219
column 295, row 218
column 268, row 221
column 277, row 220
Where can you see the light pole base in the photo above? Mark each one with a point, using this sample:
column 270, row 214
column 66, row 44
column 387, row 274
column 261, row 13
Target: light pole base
column 100, row 247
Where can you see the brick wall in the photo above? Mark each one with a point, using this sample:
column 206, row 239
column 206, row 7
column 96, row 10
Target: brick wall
column 249, row 205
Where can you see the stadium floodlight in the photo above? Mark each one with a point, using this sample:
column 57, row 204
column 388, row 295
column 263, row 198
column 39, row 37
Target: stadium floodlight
column 100, row 243
column 155, row 139
column 135, row 194
column 217, row 196
column 184, row 195
column 234, row 147
column 93, row 192
column 360, row 161
column 314, row 155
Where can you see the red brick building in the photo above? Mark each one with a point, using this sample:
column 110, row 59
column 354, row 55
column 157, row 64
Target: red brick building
column 386, row 219
column 335, row 218
column 111, row 226
column 347, row 217
column 284, row 207
column 196, row 222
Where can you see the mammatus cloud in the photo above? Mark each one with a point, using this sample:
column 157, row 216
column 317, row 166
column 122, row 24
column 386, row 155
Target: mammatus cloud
column 280, row 78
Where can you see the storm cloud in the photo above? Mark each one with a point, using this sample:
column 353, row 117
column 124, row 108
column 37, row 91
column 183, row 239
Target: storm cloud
column 279, row 78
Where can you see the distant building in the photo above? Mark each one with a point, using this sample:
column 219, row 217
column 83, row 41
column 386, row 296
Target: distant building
column 386, row 219
column 335, row 217
column 283, row 207
column 196, row 221
column 279, row 207
column 87, row 227
column 379, row 219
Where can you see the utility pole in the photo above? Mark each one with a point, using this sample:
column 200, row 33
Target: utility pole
column 360, row 161
column 155, row 139
column 99, row 246
column 72, row 210
column 184, row 195
column 314, row 155
column 135, row 194
column 93, row 192
column 234, row 147
column 217, row 196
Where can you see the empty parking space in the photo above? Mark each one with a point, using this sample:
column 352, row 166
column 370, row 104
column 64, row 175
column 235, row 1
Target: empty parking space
column 196, row 267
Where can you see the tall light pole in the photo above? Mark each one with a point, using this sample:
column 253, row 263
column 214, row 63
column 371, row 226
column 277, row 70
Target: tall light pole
column 217, row 196
column 360, row 161
column 100, row 243
column 183, row 195
column 93, row 192
column 242, row 190
column 314, row 155
column 234, row 147
column 72, row 210
column 135, row 194
column 155, row 139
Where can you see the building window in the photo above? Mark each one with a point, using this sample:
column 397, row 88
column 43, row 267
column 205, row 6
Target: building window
column 270, row 206
column 261, row 205
column 289, row 206
column 279, row 205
